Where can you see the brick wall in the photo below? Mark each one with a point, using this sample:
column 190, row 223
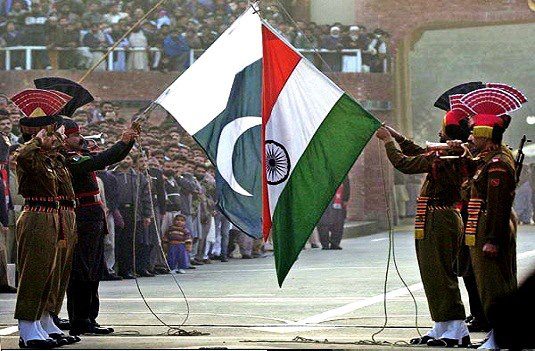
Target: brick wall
column 402, row 18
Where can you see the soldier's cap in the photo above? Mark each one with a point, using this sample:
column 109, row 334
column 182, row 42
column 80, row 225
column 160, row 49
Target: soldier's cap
column 443, row 102
column 71, row 126
column 40, row 109
column 492, row 107
column 80, row 96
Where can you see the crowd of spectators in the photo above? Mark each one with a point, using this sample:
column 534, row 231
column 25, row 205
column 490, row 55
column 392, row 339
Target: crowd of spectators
column 161, row 198
column 77, row 33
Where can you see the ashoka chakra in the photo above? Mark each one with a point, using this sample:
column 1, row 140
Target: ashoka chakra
column 277, row 163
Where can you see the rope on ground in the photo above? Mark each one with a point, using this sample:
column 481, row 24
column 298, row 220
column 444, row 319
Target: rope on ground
column 171, row 330
column 302, row 340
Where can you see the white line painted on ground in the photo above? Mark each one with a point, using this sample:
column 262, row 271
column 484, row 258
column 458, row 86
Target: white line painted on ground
column 325, row 316
column 8, row 331
column 322, row 317
column 250, row 299
column 294, row 270
column 328, row 315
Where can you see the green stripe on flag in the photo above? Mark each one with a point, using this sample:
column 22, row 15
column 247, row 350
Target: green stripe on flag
column 329, row 156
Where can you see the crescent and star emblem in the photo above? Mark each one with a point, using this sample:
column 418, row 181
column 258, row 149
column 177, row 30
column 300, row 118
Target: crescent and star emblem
column 225, row 149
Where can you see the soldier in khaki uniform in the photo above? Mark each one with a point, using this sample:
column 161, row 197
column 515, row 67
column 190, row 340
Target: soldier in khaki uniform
column 41, row 234
column 438, row 226
column 490, row 233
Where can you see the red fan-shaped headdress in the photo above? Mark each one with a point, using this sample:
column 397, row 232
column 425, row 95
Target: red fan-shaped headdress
column 492, row 106
column 40, row 103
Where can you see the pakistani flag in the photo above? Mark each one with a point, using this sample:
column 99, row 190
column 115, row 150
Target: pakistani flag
column 313, row 134
column 218, row 101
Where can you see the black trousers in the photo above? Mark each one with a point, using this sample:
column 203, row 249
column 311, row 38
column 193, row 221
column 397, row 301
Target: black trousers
column 124, row 243
column 142, row 257
column 336, row 232
column 82, row 303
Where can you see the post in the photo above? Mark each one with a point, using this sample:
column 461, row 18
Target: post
column 28, row 59
column 191, row 56
column 110, row 61
column 8, row 59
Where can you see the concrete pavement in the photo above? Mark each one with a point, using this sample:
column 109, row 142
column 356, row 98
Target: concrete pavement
column 333, row 295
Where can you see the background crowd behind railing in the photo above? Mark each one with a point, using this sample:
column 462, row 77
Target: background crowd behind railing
column 74, row 34
column 23, row 58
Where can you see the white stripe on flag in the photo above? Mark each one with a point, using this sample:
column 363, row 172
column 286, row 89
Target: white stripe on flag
column 304, row 102
column 201, row 93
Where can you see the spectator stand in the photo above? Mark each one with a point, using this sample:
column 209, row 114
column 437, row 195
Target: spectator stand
column 68, row 34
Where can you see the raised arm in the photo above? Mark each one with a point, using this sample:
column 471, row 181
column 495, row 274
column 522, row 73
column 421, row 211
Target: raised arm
column 405, row 164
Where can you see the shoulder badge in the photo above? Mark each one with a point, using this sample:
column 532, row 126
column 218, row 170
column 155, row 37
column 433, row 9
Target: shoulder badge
column 495, row 182
column 79, row 158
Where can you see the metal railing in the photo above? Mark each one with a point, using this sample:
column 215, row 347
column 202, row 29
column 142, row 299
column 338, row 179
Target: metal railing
column 346, row 60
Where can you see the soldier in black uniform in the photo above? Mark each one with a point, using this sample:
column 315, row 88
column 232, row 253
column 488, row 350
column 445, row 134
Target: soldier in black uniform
column 88, row 265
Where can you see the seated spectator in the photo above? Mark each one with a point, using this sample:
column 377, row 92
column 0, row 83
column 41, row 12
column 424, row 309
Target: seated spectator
column 177, row 242
column 81, row 117
column 94, row 113
column 193, row 39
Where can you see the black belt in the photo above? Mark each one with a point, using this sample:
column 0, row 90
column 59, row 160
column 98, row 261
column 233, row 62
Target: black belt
column 88, row 200
column 67, row 203
column 46, row 204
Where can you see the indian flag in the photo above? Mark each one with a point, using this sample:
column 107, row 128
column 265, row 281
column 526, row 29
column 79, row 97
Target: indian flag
column 313, row 133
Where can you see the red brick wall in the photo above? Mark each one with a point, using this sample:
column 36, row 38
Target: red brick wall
column 104, row 85
column 402, row 18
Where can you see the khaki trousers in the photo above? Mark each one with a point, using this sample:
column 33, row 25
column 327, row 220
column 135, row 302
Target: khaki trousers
column 435, row 254
column 495, row 277
column 62, row 271
column 37, row 243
